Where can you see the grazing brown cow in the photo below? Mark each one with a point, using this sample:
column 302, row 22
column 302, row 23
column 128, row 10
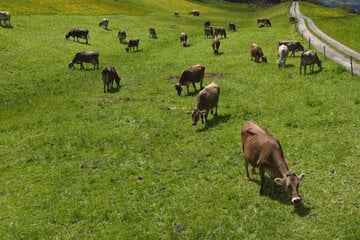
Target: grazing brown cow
column 283, row 53
column 191, row 75
column 133, row 43
column 232, row 27
column 5, row 18
column 85, row 56
column 152, row 32
column 293, row 46
column 104, row 22
column 309, row 58
column 207, row 100
column 263, row 151
column 183, row 39
column 215, row 45
column 122, row 36
column 108, row 75
column 176, row 13
column 257, row 53
column 77, row 33
column 220, row 31
column 266, row 22
column 209, row 32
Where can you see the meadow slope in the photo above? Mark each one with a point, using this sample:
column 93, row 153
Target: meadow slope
column 77, row 163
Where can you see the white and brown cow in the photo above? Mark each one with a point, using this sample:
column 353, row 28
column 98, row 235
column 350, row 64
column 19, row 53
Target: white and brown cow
column 85, row 56
column 183, row 39
column 132, row 44
column 77, row 33
column 264, row 21
column 257, row 53
column 309, row 58
column 208, row 32
column 108, row 75
column 283, row 53
column 263, row 151
column 215, row 45
column 104, row 23
column 192, row 75
column 5, row 18
column 293, row 46
column 207, row 100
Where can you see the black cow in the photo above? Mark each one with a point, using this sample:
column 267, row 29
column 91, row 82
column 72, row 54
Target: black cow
column 152, row 32
column 77, row 33
column 104, row 22
column 122, row 36
column 232, row 27
column 5, row 18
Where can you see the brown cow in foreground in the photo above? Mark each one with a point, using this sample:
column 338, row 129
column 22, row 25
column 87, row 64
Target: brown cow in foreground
column 263, row 151
column 191, row 75
column 85, row 56
column 108, row 75
column 257, row 53
column 309, row 58
column 215, row 45
column 207, row 99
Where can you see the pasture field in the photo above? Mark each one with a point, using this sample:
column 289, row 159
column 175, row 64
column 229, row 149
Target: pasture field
column 335, row 22
column 76, row 163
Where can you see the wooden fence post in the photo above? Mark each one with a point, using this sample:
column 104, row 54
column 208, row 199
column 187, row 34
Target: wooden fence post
column 324, row 52
column 351, row 66
column 309, row 43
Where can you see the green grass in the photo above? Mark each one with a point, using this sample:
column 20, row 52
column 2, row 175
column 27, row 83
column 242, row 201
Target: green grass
column 335, row 22
column 76, row 163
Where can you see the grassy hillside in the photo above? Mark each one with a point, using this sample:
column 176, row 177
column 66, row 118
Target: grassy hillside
column 335, row 22
column 76, row 163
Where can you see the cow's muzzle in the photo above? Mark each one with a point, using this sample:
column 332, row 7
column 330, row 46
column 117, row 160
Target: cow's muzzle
column 295, row 200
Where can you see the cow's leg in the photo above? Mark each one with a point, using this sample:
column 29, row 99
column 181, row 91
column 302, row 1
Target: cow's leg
column 247, row 176
column 81, row 65
column 187, row 88
column 193, row 83
column 262, row 180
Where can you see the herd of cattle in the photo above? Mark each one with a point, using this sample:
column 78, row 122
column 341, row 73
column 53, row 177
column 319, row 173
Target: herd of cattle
column 260, row 148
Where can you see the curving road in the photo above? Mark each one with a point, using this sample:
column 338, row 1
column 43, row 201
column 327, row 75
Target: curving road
column 338, row 55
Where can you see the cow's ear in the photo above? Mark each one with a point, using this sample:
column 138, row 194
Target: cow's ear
column 279, row 181
column 301, row 177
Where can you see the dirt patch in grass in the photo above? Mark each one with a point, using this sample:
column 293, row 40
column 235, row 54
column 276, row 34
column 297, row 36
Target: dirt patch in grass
column 207, row 75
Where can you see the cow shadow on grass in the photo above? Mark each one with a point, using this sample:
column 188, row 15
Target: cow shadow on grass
column 282, row 197
column 214, row 120
column 114, row 89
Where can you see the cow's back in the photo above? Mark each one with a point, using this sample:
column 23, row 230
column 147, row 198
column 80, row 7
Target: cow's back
column 193, row 74
column 256, row 141
column 208, row 98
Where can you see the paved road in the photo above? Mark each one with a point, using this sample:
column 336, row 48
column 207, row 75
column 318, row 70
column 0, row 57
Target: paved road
column 337, row 55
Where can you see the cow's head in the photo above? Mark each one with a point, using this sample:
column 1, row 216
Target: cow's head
column 178, row 88
column 71, row 64
column 195, row 114
column 127, row 49
column 264, row 58
column 291, row 183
